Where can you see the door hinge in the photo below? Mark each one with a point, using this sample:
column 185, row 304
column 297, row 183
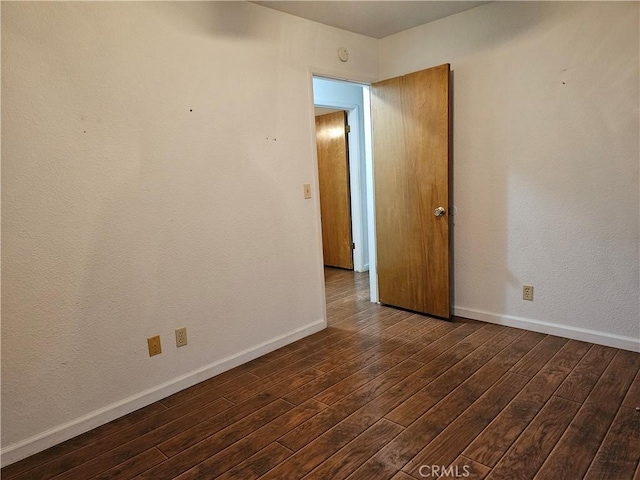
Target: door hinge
column 347, row 129
column 353, row 246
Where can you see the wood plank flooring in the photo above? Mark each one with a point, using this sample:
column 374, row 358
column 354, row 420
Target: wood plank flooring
column 381, row 394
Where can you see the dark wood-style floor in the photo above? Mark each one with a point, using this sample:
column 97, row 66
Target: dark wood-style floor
column 381, row 394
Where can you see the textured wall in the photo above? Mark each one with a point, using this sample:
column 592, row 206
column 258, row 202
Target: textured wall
column 545, row 157
column 153, row 158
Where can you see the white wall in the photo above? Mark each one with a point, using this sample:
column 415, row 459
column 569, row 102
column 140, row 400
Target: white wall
column 349, row 96
column 545, row 160
column 153, row 161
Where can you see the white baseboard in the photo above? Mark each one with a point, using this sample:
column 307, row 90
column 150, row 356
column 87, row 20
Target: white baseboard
column 59, row 434
column 575, row 333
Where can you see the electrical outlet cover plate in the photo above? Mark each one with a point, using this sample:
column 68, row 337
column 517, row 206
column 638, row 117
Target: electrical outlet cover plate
column 527, row 292
column 154, row 345
column 181, row 337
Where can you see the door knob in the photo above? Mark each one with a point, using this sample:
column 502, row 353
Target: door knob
column 440, row 211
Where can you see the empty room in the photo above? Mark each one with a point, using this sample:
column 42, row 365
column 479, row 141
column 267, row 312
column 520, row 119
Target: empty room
column 321, row 240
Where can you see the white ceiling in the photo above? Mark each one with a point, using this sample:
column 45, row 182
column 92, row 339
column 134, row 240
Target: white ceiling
column 377, row 19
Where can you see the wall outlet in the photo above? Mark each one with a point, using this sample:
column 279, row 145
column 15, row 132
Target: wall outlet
column 154, row 345
column 307, row 190
column 181, row 337
column 527, row 292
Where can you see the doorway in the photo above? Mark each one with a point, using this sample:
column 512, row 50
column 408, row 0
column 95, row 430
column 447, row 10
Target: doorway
column 331, row 95
column 409, row 247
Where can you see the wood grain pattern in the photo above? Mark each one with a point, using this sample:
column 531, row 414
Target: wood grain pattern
column 620, row 449
column 314, row 453
column 134, row 466
column 204, row 429
column 402, row 476
column 340, row 367
column 298, row 438
column 354, row 454
column 632, row 400
column 354, row 382
column 109, row 451
column 373, row 469
column 449, row 444
column 529, row 452
column 443, row 407
column 253, row 443
column 536, row 358
column 463, row 393
column 335, row 197
column 483, row 358
column 581, row 381
column 203, row 397
column 442, row 344
column 495, row 440
column 583, row 437
column 52, row 455
column 258, row 464
column 211, row 445
column 410, row 117
column 281, row 382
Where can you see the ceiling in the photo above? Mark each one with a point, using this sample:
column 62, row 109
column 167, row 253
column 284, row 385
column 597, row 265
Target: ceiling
column 377, row 19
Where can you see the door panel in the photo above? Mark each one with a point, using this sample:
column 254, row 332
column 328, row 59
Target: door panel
column 411, row 168
column 335, row 200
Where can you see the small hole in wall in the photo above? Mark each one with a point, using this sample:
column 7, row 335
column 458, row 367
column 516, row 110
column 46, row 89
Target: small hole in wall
column 190, row 110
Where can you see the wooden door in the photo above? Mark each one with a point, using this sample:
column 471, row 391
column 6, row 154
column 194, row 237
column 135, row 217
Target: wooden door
column 335, row 200
column 411, row 167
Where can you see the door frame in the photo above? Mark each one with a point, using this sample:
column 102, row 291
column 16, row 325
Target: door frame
column 365, row 162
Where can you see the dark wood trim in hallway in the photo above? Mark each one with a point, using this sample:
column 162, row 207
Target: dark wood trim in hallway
column 381, row 394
